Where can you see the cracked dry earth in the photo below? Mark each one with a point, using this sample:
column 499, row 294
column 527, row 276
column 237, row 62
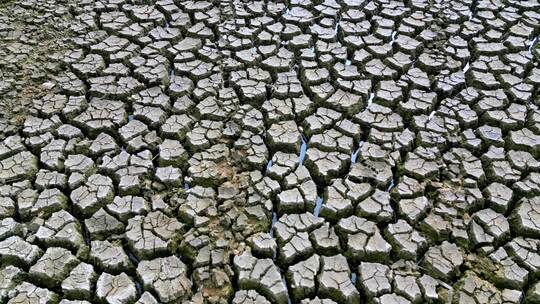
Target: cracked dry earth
column 309, row 151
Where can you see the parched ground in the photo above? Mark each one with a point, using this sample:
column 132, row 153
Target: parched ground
column 234, row 151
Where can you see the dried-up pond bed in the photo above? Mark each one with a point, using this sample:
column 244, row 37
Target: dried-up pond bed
column 317, row 151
